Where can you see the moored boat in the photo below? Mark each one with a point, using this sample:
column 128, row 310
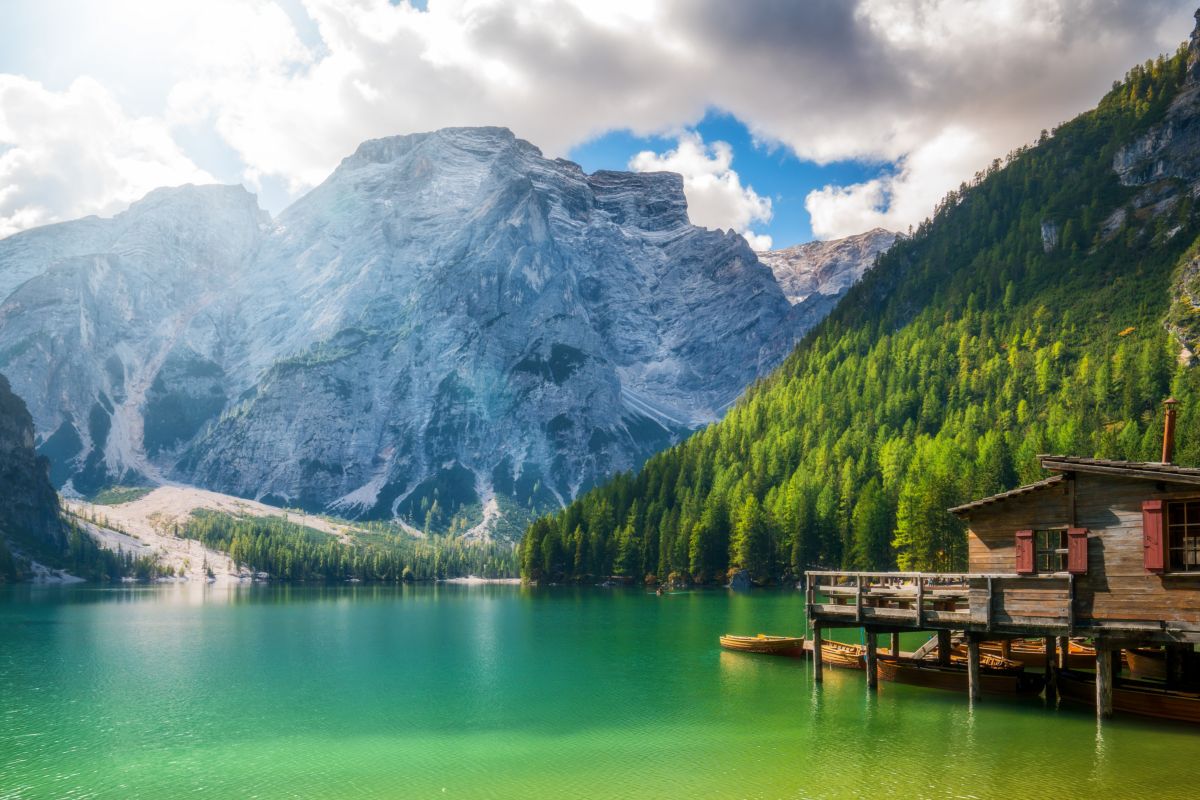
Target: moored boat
column 764, row 644
column 1147, row 662
column 1132, row 697
column 840, row 654
column 1032, row 653
column 1009, row 680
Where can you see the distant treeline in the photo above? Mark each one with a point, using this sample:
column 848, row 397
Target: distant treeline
column 1026, row 317
column 290, row 551
column 81, row 557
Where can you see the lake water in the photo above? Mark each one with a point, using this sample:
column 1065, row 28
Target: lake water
column 502, row 691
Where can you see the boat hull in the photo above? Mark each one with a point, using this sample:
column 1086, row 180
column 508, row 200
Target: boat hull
column 1142, row 700
column 1147, row 664
column 844, row 656
column 792, row 646
column 954, row 678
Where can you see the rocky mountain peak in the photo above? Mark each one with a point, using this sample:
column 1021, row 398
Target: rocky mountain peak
column 450, row 329
column 826, row 268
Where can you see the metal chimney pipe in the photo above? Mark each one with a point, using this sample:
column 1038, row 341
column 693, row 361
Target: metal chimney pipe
column 1169, row 430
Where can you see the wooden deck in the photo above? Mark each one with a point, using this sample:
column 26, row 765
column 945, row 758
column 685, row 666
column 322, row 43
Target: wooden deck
column 1041, row 605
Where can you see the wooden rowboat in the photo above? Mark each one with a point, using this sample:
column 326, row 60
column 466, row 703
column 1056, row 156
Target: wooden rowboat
column 767, row 645
column 1132, row 697
column 1145, row 662
column 954, row 677
column 986, row 660
column 840, row 654
column 1032, row 653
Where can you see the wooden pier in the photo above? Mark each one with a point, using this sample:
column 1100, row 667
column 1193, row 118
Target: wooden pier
column 1104, row 550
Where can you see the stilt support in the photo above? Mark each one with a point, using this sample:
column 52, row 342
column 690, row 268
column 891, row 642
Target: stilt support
column 943, row 647
column 818, row 662
column 1104, row 679
column 1051, row 665
column 974, row 690
column 894, row 645
column 872, row 658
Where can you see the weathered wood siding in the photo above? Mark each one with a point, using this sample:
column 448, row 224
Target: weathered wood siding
column 1116, row 589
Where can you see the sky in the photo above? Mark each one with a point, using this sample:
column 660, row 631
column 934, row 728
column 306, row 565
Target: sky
column 788, row 120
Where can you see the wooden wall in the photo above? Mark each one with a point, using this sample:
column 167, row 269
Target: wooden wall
column 1116, row 588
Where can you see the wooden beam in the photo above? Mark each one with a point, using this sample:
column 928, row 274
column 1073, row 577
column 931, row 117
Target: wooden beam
column 1051, row 668
column 973, row 687
column 1006, row 648
column 1064, row 652
column 817, row 660
column 943, row 637
column 894, row 645
column 872, row 669
column 1104, row 679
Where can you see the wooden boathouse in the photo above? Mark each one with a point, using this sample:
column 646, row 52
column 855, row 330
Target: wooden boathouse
column 1107, row 550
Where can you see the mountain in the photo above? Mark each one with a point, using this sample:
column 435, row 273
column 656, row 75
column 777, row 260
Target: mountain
column 827, row 269
column 451, row 329
column 1032, row 313
column 29, row 517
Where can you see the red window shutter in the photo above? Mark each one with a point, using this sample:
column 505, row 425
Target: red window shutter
column 1153, row 541
column 1077, row 553
column 1025, row 553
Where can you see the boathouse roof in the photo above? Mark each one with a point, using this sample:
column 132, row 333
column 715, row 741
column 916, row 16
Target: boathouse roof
column 1144, row 470
column 997, row 498
column 1147, row 470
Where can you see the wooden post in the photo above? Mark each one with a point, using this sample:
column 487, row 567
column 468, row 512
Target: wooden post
column 872, row 669
column 894, row 645
column 1064, row 652
column 943, row 647
column 920, row 601
column 1051, row 667
column 1006, row 648
column 973, row 687
column 817, row 660
column 1104, row 679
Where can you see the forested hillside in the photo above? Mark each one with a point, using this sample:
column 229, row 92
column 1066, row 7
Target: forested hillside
column 1027, row 316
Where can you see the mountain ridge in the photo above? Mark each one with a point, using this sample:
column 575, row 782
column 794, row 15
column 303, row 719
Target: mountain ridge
column 450, row 329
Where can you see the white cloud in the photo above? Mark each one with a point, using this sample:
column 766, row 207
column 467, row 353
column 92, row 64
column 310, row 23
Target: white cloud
column 715, row 195
column 289, row 87
column 903, row 198
column 73, row 153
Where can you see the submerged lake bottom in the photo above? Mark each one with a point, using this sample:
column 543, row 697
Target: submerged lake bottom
column 505, row 691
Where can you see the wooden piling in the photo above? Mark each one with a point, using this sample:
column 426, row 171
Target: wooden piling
column 1104, row 679
column 1051, row 667
column 894, row 645
column 944, row 647
column 1064, row 652
column 818, row 662
column 872, row 669
column 973, row 688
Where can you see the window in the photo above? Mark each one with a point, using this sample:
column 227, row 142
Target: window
column 1183, row 536
column 1050, row 549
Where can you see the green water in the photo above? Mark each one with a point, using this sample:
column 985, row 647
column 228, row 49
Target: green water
column 498, row 691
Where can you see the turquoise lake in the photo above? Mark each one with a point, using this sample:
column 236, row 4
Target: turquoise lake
column 504, row 691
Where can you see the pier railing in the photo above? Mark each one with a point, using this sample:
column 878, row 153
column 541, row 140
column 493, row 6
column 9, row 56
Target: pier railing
column 920, row 600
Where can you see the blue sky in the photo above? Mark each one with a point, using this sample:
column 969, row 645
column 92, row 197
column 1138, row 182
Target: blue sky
column 771, row 170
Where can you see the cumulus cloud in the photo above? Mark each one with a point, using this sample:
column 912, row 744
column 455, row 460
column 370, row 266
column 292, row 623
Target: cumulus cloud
column 292, row 86
column 76, row 152
column 715, row 195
